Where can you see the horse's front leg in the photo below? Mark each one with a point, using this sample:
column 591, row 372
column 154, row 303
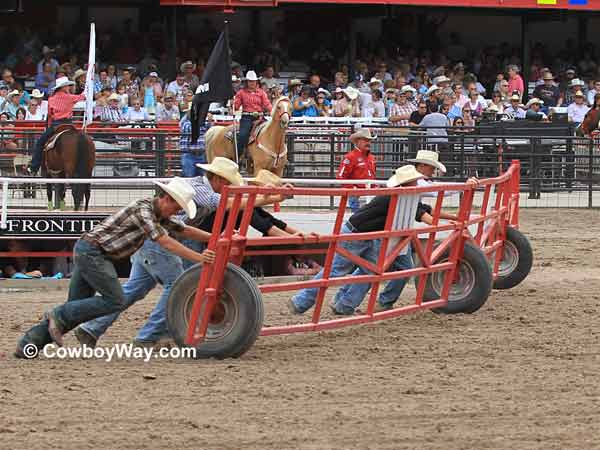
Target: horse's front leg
column 49, row 188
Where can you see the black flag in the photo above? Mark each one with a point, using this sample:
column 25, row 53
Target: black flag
column 215, row 85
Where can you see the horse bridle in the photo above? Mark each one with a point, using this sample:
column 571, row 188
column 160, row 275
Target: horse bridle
column 281, row 114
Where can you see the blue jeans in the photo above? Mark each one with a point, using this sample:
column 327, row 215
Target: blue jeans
column 93, row 272
column 150, row 265
column 352, row 295
column 36, row 157
column 188, row 164
column 354, row 203
column 244, row 134
column 197, row 246
column 340, row 266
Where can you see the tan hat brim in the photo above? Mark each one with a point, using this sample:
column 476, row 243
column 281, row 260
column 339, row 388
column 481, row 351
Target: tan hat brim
column 235, row 180
column 394, row 182
column 188, row 207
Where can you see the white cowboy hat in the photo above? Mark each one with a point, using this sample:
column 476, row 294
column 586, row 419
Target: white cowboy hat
column 403, row 175
column 492, row 108
column 264, row 177
column 182, row 192
column 408, row 88
column 441, row 79
column 251, row 76
column 351, row 93
column 187, row 63
column 515, row 97
column 391, row 91
column 338, row 90
column 363, row 133
column 430, row 158
column 225, row 168
column 533, row 101
column 374, row 81
column 153, row 74
column 62, row 82
column 36, row 93
column 324, row 91
column 294, row 82
column 433, row 88
column 114, row 96
column 576, row 82
column 234, row 79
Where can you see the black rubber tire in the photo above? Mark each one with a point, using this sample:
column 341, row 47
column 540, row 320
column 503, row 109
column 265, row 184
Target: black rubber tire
column 475, row 271
column 241, row 308
column 516, row 246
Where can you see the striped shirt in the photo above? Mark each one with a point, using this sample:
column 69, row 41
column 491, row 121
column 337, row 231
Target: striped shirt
column 60, row 105
column 185, row 138
column 108, row 114
column 205, row 198
column 252, row 101
column 402, row 110
column 121, row 234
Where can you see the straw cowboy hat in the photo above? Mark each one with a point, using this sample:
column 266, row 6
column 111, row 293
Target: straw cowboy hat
column 36, row 93
column 534, row 101
column 515, row 97
column 294, row 82
column 79, row 73
column 114, row 96
column 441, row 79
column 391, row 91
column 351, row 93
column 433, row 88
column 430, row 158
column 12, row 93
column 264, row 177
column 375, row 81
column 168, row 94
column 363, row 133
column 403, row 175
column 579, row 94
column 62, row 82
column 492, row 108
column 251, row 76
column 182, row 192
column 187, row 63
column 548, row 76
column 407, row 88
column 225, row 168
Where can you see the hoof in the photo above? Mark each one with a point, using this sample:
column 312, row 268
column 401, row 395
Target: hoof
column 63, row 206
column 50, row 206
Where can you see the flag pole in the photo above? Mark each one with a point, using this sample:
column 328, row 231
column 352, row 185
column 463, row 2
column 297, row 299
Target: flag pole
column 235, row 152
column 88, row 114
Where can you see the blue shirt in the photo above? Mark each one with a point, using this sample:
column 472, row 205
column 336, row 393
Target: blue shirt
column 205, row 198
column 185, row 139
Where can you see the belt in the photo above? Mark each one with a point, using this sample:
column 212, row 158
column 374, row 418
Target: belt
column 351, row 227
column 254, row 115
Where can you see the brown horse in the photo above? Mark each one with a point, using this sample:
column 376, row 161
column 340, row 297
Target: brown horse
column 267, row 150
column 73, row 156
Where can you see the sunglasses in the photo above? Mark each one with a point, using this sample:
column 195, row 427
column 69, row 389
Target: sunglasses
column 467, row 110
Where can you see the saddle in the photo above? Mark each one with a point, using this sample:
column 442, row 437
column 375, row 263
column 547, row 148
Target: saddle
column 257, row 127
column 60, row 130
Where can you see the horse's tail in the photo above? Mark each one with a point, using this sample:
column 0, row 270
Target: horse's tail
column 81, row 168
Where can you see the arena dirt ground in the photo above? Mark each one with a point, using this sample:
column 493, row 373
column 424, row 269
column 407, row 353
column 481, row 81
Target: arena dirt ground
column 522, row 373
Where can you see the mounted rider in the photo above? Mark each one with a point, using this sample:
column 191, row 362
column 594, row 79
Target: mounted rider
column 254, row 102
column 60, row 111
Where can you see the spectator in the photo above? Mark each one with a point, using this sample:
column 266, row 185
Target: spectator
column 461, row 98
column 435, row 125
column 314, row 84
column 401, row 111
column 434, row 101
column 6, row 140
column 467, row 116
column 177, row 86
column 534, row 110
column 34, row 112
column 36, row 94
column 575, row 85
column 293, row 89
column 3, row 93
column 268, row 77
column 237, row 83
column 21, row 114
column 323, row 109
column 304, row 104
column 168, row 109
column 382, row 72
column 26, row 68
column 192, row 154
column 497, row 101
column 79, row 79
column 44, row 80
column 576, row 111
column 348, row 105
column 514, row 110
column 592, row 92
column 136, row 113
column 130, row 83
column 101, row 81
column 476, row 102
column 275, row 92
column 359, row 84
column 376, row 84
column 442, row 82
column 111, row 72
column 112, row 112
column 149, row 93
column 7, row 77
column 548, row 92
column 417, row 116
column 339, row 81
column 389, row 100
column 11, row 104
column 48, row 58
column 188, row 68
column 505, row 94
column 515, row 82
column 123, row 97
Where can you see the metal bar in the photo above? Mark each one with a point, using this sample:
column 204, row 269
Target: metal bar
column 4, row 213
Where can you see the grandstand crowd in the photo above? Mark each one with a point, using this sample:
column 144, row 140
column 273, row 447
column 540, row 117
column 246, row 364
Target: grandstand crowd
column 400, row 85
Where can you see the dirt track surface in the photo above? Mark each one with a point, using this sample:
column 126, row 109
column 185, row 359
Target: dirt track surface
column 522, row 373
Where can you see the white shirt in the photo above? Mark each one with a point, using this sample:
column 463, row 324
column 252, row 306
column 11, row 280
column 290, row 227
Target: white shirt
column 39, row 115
column 576, row 112
column 176, row 89
column 590, row 97
column 516, row 113
column 137, row 116
column 422, row 182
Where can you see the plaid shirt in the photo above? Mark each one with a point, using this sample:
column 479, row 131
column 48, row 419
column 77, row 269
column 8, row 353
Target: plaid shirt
column 109, row 114
column 402, row 110
column 185, row 139
column 60, row 105
column 121, row 234
column 252, row 101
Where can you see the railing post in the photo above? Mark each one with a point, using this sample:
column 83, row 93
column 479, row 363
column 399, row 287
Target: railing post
column 289, row 169
column 331, row 165
column 4, row 213
column 591, row 173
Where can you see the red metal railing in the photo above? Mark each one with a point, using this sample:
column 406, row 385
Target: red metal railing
column 232, row 245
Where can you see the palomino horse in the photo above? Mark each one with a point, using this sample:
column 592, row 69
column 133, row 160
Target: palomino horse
column 267, row 149
column 72, row 156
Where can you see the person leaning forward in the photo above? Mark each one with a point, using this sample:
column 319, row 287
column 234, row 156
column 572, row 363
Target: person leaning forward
column 96, row 252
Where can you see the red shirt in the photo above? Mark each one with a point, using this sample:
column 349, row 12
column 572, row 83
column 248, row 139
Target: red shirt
column 60, row 105
column 516, row 84
column 357, row 166
column 252, row 101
